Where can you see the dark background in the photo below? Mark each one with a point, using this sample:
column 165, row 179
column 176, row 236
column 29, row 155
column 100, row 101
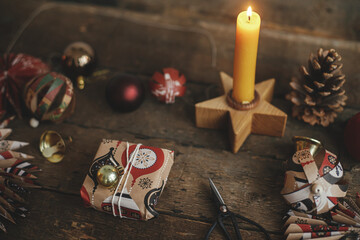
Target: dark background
column 290, row 30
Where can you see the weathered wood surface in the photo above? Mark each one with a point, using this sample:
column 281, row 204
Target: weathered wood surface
column 250, row 181
column 330, row 18
column 281, row 50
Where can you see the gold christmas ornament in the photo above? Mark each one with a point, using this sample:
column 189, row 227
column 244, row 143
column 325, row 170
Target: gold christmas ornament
column 108, row 176
column 301, row 142
column 78, row 61
column 318, row 95
column 52, row 146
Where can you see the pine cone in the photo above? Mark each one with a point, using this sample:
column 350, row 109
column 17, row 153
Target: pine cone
column 318, row 96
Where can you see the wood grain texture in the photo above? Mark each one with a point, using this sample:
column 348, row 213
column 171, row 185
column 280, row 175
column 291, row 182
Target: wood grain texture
column 281, row 51
column 212, row 113
column 186, row 196
column 263, row 119
column 327, row 18
column 250, row 181
column 63, row 217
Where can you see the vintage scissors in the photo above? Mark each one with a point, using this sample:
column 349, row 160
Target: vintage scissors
column 225, row 213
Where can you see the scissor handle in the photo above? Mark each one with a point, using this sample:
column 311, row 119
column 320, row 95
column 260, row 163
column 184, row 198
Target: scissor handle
column 220, row 221
column 255, row 224
column 236, row 226
column 210, row 230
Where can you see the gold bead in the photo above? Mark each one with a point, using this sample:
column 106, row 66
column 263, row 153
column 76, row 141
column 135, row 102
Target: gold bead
column 80, row 82
column 108, row 176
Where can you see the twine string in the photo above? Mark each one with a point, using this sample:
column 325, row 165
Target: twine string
column 127, row 171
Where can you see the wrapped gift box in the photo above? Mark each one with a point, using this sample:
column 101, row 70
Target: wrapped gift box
column 145, row 179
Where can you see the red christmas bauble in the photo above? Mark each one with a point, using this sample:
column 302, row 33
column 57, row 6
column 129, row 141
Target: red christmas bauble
column 15, row 71
column 168, row 85
column 352, row 136
column 125, row 93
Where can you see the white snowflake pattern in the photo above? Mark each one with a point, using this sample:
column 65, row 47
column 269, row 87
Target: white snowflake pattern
column 144, row 159
column 105, row 141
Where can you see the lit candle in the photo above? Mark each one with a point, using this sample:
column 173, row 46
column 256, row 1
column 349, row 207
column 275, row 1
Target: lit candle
column 246, row 45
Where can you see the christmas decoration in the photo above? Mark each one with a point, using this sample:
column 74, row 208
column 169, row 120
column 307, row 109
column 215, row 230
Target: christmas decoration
column 50, row 97
column 352, row 136
column 52, row 146
column 78, row 62
column 264, row 119
column 108, row 176
column 342, row 222
column 125, row 93
column 127, row 179
column 16, row 176
column 314, row 178
column 15, row 71
column 318, row 96
column 168, row 85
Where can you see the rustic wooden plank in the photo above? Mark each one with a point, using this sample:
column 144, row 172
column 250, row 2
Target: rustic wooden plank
column 176, row 123
column 58, row 216
column 312, row 17
column 122, row 43
column 115, row 36
column 185, row 112
column 258, row 168
column 13, row 14
column 250, row 181
column 331, row 18
column 250, row 184
column 245, row 184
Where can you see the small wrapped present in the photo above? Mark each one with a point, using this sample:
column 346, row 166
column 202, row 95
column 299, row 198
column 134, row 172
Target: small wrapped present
column 126, row 179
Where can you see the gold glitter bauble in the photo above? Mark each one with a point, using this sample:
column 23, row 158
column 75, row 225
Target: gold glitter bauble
column 108, row 176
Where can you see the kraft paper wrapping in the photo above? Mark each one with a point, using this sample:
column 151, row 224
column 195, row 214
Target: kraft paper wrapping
column 146, row 181
column 315, row 188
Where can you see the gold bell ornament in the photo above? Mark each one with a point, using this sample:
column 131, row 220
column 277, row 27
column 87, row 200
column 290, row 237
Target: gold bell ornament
column 52, row 146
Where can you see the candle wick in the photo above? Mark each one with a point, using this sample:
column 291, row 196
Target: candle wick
column 248, row 18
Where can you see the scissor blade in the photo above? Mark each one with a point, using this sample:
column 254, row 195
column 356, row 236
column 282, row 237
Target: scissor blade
column 216, row 192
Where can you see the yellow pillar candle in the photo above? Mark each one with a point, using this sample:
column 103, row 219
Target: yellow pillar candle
column 246, row 45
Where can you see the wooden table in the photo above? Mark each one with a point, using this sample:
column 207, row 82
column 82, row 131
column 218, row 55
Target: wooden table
column 250, row 181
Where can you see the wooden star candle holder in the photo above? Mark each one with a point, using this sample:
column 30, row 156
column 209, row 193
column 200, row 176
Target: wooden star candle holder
column 262, row 118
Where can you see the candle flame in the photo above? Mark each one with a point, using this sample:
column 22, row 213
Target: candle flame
column 249, row 12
